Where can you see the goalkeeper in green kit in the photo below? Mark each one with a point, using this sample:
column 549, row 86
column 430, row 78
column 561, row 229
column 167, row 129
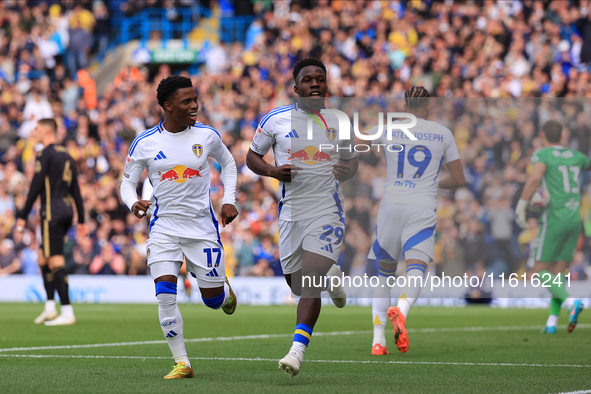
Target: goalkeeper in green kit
column 558, row 169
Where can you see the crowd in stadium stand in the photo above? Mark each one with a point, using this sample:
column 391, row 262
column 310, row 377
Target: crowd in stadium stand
column 482, row 49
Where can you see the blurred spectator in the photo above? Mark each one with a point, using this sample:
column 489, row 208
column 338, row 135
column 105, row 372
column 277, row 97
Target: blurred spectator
column 80, row 45
column 245, row 254
column 501, row 227
column 82, row 255
column 108, row 262
column 527, row 241
column 82, row 18
column 29, row 255
column 6, row 202
column 474, row 244
column 261, row 268
column 482, row 293
column 102, row 26
column 267, row 252
column 578, row 267
column 9, row 262
column 452, row 254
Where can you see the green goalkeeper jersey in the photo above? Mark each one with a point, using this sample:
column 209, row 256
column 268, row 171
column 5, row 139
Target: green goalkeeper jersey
column 562, row 179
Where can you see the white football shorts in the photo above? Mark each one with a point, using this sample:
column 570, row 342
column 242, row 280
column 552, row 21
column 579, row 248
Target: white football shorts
column 404, row 229
column 205, row 258
column 323, row 235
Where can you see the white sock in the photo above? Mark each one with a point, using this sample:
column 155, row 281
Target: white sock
column 552, row 321
column 298, row 348
column 379, row 335
column 171, row 322
column 410, row 292
column 49, row 305
column 379, row 308
column 226, row 295
column 67, row 311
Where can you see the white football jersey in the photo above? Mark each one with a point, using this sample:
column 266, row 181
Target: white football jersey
column 178, row 169
column 314, row 191
column 412, row 174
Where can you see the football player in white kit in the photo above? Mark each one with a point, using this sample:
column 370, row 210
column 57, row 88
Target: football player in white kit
column 406, row 220
column 311, row 216
column 176, row 155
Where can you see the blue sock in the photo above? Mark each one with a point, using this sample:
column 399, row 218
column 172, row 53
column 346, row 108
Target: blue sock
column 215, row 302
column 302, row 334
column 165, row 287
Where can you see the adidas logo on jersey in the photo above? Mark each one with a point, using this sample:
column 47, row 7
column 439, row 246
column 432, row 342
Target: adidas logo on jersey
column 160, row 156
column 292, row 134
column 212, row 273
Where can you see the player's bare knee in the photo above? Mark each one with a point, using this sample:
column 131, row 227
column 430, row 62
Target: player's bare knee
column 295, row 282
column 166, row 278
column 312, row 284
column 211, row 292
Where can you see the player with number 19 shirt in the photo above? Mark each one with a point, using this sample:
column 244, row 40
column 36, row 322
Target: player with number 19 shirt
column 406, row 220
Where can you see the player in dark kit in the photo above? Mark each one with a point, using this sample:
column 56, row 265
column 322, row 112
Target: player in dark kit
column 56, row 181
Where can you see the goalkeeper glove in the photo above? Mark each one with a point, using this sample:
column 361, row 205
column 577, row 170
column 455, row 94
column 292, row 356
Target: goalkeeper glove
column 520, row 217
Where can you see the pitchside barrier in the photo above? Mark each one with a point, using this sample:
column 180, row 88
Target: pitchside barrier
column 249, row 290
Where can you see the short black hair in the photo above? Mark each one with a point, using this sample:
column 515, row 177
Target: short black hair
column 553, row 131
column 309, row 61
column 416, row 97
column 48, row 122
column 169, row 87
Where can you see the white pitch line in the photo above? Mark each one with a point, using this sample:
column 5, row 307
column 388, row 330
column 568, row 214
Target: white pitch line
column 578, row 392
column 268, row 336
column 499, row 328
column 161, row 342
column 312, row 361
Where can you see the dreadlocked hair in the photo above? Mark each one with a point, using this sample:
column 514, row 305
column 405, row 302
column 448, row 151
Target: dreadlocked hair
column 169, row 87
column 416, row 97
column 309, row 61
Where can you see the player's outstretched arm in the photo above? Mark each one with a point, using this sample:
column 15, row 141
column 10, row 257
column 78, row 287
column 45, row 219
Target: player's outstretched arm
column 41, row 168
column 259, row 166
column 129, row 197
column 81, row 228
column 456, row 178
column 531, row 185
column 75, row 190
column 131, row 176
column 229, row 177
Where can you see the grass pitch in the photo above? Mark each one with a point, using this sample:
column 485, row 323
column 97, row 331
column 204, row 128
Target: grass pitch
column 459, row 350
